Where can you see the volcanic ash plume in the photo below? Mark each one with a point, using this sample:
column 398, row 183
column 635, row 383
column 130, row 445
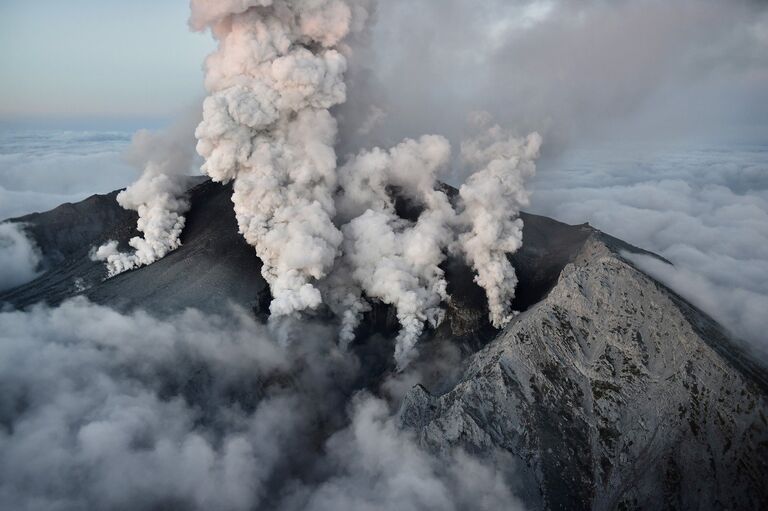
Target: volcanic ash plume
column 388, row 257
column 491, row 200
column 158, row 197
column 379, row 226
column 266, row 126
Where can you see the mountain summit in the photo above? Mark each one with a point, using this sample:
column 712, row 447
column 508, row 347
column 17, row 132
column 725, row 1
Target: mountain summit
column 607, row 391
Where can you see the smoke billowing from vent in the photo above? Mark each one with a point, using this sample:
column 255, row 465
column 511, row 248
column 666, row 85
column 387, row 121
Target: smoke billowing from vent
column 158, row 196
column 329, row 234
column 266, row 125
column 492, row 198
column 388, row 257
column 397, row 260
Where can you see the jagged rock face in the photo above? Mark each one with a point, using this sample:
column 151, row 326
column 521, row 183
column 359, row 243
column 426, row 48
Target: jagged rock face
column 609, row 397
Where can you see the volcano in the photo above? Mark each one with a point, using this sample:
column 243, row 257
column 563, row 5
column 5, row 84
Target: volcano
column 607, row 391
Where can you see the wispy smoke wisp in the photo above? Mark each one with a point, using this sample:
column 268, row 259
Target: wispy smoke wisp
column 158, row 197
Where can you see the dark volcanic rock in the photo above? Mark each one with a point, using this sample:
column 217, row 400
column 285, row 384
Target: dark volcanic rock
column 612, row 394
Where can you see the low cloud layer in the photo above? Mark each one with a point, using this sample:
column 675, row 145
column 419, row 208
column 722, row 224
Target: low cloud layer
column 40, row 169
column 102, row 410
column 19, row 256
column 704, row 210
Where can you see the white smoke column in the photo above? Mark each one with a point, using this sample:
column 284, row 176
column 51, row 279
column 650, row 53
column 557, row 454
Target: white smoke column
column 266, row 125
column 158, row 196
column 491, row 199
column 388, row 257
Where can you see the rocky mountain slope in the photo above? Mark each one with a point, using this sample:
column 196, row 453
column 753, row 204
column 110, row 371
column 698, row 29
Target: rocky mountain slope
column 613, row 395
column 608, row 392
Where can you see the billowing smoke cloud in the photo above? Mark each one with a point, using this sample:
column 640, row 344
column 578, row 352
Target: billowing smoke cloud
column 398, row 260
column 103, row 410
column 492, row 198
column 158, row 196
column 266, row 125
column 19, row 256
column 389, row 257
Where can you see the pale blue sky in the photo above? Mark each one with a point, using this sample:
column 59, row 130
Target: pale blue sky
column 76, row 59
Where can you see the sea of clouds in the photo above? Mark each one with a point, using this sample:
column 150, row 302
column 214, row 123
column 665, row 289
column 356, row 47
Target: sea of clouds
column 207, row 412
column 42, row 168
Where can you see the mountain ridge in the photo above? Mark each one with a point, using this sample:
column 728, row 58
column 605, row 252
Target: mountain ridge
column 560, row 396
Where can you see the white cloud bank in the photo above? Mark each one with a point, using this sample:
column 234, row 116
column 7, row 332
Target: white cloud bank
column 40, row 169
